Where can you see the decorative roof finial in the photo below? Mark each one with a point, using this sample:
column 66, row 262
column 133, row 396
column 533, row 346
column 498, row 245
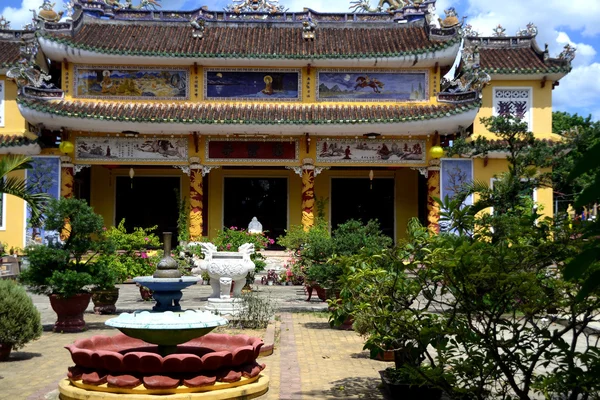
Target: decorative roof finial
column 199, row 27
column 4, row 24
column 499, row 31
column 47, row 13
column 392, row 5
column 451, row 20
column 308, row 29
column 469, row 31
column 568, row 53
column 530, row 30
column 244, row 6
column 69, row 9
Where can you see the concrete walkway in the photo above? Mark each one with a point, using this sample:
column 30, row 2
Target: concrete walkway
column 310, row 361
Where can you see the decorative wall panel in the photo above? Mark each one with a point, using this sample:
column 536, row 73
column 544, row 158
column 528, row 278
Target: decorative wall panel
column 131, row 83
column 2, row 89
column 251, row 150
column 370, row 151
column 42, row 177
column 252, row 84
column 335, row 85
column 513, row 101
column 119, row 150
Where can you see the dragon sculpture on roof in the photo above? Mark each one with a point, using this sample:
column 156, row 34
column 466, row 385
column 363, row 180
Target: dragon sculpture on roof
column 392, row 5
column 143, row 5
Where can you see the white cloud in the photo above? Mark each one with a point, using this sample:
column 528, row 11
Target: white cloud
column 21, row 16
column 579, row 92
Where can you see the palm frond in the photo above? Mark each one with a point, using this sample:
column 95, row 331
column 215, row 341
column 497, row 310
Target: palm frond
column 12, row 163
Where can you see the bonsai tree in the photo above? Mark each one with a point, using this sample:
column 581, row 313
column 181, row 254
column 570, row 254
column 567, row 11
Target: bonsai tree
column 67, row 269
column 19, row 319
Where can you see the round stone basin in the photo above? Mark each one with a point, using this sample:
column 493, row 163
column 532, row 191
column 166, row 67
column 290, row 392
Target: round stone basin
column 166, row 328
column 166, row 284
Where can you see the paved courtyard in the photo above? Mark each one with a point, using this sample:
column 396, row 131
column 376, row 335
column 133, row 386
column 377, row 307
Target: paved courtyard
column 310, row 360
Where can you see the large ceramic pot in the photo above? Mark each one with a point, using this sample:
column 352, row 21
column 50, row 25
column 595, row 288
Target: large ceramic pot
column 5, row 349
column 105, row 301
column 70, row 312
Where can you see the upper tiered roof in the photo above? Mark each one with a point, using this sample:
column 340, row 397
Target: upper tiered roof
column 102, row 34
column 515, row 57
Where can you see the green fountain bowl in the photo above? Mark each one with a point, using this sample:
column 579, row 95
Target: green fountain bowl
column 166, row 328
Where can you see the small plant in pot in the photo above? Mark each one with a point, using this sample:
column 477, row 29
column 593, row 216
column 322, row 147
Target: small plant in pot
column 105, row 294
column 19, row 319
column 67, row 270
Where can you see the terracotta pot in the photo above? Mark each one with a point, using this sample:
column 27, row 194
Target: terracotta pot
column 145, row 293
column 321, row 292
column 105, row 301
column 70, row 312
column 5, row 349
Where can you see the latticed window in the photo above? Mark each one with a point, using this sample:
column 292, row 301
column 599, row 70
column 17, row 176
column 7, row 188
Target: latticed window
column 515, row 102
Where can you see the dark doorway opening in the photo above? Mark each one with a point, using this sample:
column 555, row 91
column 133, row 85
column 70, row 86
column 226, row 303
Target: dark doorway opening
column 148, row 201
column 263, row 198
column 363, row 200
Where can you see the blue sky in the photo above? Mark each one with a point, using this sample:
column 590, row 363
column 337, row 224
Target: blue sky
column 558, row 21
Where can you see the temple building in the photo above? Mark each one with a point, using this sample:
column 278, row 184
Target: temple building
column 258, row 111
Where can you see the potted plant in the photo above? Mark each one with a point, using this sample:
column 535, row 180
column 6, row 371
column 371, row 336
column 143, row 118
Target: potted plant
column 105, row 294
column 19, row 319
column 66, row 270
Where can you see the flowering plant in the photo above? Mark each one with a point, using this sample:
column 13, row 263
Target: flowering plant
column 230, row 239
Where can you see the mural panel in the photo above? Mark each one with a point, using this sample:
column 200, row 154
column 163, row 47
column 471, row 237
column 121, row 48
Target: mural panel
column 42, row 177
column 131, row 149
column 333, row 85
column 251, row 150
column 252, row 84
column 455, row 174
column 370, row 151
column 131, row 83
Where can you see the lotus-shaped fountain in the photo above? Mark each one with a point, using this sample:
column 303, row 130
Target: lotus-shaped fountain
column 167, row 352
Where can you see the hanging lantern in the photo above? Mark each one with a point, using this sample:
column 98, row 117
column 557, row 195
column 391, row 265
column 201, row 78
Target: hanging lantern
column 436, row 152
column 66, row 147
column 371, row 175
column 131, row 175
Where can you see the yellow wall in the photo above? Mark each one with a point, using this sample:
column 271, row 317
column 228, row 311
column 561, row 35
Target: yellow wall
column 103, row 187
column 14, row 123
column 484, row 172
column 406, row 187
column 14, row 226
column 541, row 107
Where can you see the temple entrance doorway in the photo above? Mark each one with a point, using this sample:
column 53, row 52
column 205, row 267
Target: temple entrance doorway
column 148, row 201
column 263, row 198
column 363, row 200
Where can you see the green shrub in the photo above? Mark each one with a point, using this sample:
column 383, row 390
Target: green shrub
column 19, row 319
column 256, row 313
column 68, row 267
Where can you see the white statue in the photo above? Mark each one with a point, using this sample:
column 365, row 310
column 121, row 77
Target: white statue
column 254, row 226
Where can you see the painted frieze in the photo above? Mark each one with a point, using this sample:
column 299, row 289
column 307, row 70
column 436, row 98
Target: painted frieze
column 252, row 150
column 370, row 151
column 43, row 177
column 339, row 85
column 131, row 83
column 131, row 149
column 252, row 84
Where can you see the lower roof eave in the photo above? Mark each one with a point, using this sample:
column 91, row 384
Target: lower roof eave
column 60, row 52
column 444, row 125
column 27, row 150
column 552, row 77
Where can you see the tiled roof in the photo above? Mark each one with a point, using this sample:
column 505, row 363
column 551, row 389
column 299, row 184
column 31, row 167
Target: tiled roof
column 14, row 140
column 240, row 114
column 517, row 60
column 514, row 55
column 249, row 40
column 9, row 53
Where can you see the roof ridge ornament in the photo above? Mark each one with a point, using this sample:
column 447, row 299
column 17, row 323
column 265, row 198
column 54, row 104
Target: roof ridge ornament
column 308, row 29
column 499, row 31
column 469, row 31
column 568, row 53
column 530, row 30
column 4, row 23
column 392, row 5
column 246, row 6
column 451, row 20
column 199, row 26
